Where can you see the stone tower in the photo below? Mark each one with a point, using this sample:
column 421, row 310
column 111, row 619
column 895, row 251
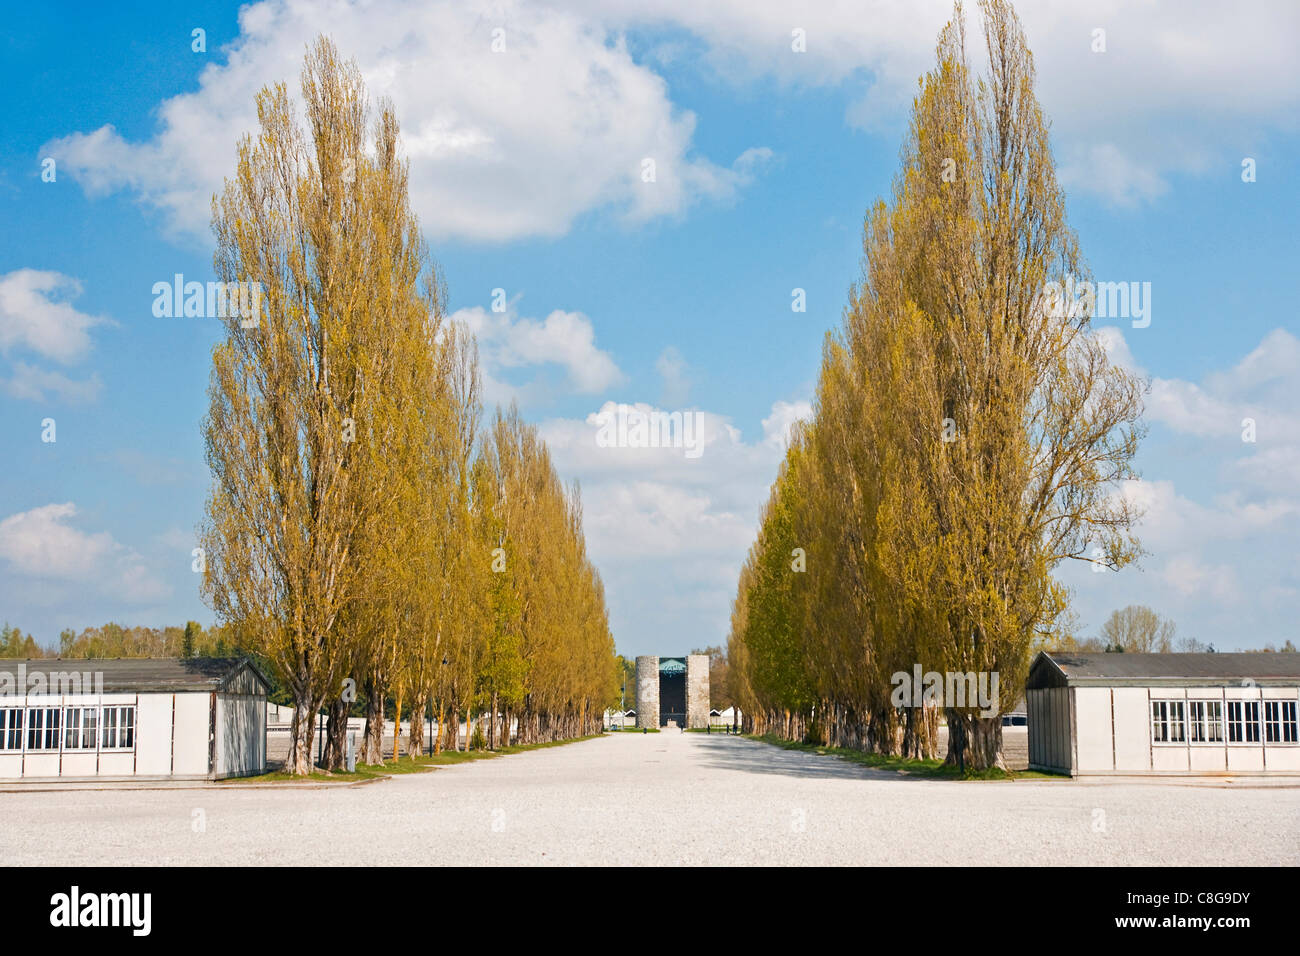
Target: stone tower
column 647, row 691
column 697, row 690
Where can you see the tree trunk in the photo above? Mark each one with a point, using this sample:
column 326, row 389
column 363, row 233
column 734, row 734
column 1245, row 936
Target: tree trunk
column 373, row 750
column 336, row 735
column 930, row 744
column 415, row 737
column 397, row 723
column 912, row 730
column 301, row 731
column 974, row 742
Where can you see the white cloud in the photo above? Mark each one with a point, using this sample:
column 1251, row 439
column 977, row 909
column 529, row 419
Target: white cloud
column 1181, row 86
column 637, row 520
column 1261, row 387
column 667, row 531
column 720, row 443
column 1117, row 348
column 776, row 427
column 1174, row 523
column 501, row 145
column 1190, row 577
column 1105, row 169
column 1270, row 373
column 1212, row 567
column 41, row 385
column 1220, row 558
column 36, row 314
column 565, row 339
column 522, row 142
column 1276, row 467
column 43, row 544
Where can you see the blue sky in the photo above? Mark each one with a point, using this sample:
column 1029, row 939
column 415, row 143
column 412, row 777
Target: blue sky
column 525, row 170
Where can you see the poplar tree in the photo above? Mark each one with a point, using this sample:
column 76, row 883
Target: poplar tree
column 300, row 399
column 969, row 432
column 357, row 506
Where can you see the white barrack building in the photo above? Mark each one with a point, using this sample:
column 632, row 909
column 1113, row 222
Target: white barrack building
column 1164, row 713
column 119, row 719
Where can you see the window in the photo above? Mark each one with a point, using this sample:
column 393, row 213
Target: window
column 43, row 728
column 35, row 722
column 11, row 728
column 1243, row 721
column 1167, row 725
column 1205, row 721
column 119, row 728
column 90, row 721
column 1176, row 732
column 79, row 728
column 72, row 728
column 1280, row 721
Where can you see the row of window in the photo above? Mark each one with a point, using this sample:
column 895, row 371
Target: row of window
column 1202, row 721
column 68, row 728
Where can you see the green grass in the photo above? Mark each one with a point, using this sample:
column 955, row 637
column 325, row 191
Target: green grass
column 419, row 764
column 520, row 748
column 705, row 730
column 909, row 766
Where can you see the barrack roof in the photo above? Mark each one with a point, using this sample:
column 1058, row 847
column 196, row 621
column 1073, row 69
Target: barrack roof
column 1083, row 669
column 122, row 674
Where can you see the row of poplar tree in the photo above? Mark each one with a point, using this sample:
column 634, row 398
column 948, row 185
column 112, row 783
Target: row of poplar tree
column 968, row 434
column 366, row 534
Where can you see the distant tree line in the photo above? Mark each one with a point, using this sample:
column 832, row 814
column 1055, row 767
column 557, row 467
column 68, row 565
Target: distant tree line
column 1137, row 629
column 115, row 640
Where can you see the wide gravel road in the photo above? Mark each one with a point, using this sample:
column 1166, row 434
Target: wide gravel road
column 668, row 798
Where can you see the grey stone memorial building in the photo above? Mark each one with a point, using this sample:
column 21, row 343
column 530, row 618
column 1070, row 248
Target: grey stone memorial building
column 672, row 690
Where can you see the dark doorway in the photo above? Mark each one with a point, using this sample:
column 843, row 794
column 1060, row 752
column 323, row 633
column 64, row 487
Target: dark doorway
column 672, row 691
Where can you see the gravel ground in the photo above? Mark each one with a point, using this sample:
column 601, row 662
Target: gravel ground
column 668, row 798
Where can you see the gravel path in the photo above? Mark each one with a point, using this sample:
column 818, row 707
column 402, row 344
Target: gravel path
column 668, row 798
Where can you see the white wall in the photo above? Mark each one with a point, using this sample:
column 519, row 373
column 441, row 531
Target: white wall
column 193, row 715
column 153, row 735
column 1135, row 752
column 1094, row 744
column 66, row 762
column 1132, row 710
column 170, row 740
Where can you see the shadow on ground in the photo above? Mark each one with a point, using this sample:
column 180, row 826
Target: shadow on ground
column 735, row 753
column 751, row 756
